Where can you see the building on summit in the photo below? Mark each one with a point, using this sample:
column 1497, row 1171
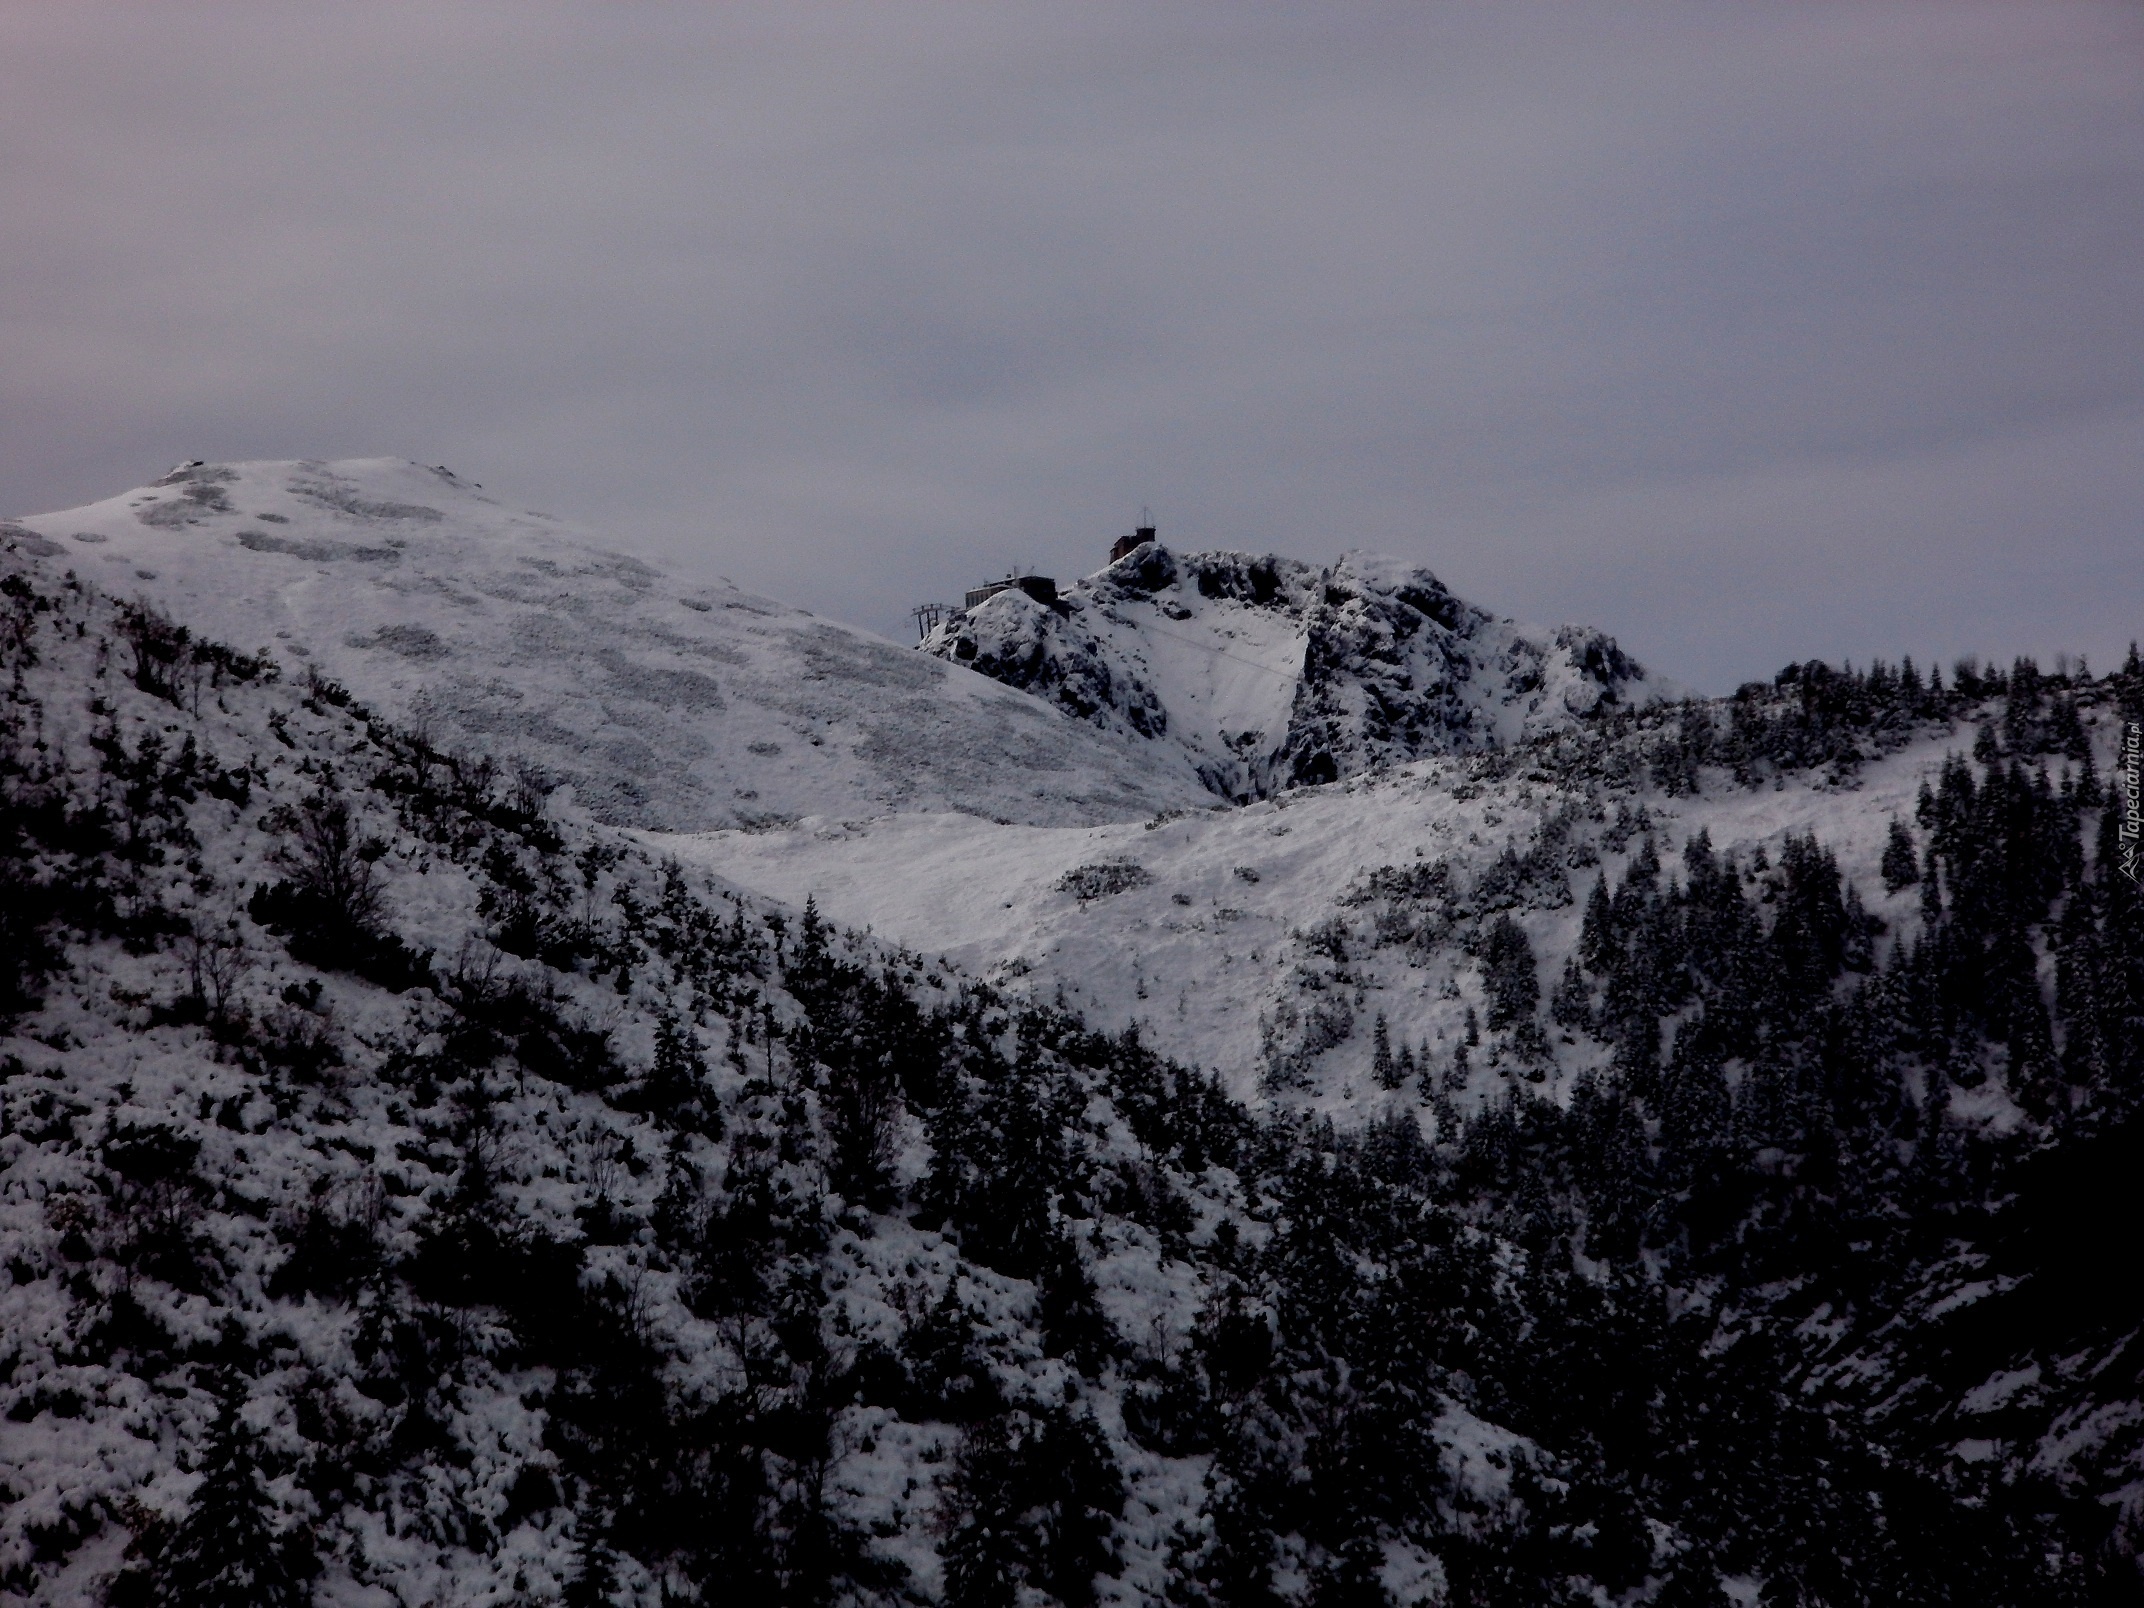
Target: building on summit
column 1039, row 587
column 1132, row 543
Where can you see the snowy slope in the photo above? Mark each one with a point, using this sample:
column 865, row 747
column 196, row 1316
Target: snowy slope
column 1249, row 941
column 1258, row 674
column 663, row 701
column 238, row 1186
column 541, row 1236
column 106, row 1434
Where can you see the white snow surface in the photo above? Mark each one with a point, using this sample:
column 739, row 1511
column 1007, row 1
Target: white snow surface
column 664, row 700
column 1253, row 934
column 1257, row 674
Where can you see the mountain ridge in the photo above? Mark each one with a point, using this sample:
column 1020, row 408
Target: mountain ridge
column 1262, row 672
column 664, row 702
column 1682, row 1161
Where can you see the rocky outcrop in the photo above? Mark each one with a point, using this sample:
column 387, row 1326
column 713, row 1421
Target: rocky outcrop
column 1267, row 672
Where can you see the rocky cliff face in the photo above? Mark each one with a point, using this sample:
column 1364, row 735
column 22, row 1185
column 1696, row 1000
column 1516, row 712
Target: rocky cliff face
column 1260, row 674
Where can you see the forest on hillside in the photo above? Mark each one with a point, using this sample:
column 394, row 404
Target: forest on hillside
column 406, row 1187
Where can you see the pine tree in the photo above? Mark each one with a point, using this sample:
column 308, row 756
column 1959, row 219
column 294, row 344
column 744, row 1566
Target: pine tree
column 1350, row 1578
column 1513, row 981
column 1931, row 893
column 1074, row 1324
column 1901, row 865
column 225, row 1553
column 594, row 1582
column 1693, row 1584
column 1034, row 1497
column 1383, row 1067
column 948, row 1378
column 1597, row 943
column 1233, row 1567
column 2065, row 732
column 1456, row 1075
column 1571, row 1005
column 677, row 1083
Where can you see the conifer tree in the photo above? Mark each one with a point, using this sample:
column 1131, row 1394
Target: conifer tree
column 226, row 1553
column 1074, row 1325
column 1514, row 983
column 1597, row 945
column 1571, row 1005
column 594, row 1581
column 1383, row 1066
column 1460, row 1070
column 677, row 1080
column 1901, row 865
column 1693, row 1583
column 1350, row 1579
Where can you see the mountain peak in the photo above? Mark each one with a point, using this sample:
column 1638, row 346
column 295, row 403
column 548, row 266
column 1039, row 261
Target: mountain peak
column 667, row 701
column 1258, row 672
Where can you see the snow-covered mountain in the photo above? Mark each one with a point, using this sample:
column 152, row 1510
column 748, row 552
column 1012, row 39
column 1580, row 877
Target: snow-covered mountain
column 1682, row 1156
column 1258, row 674
column 663, row 701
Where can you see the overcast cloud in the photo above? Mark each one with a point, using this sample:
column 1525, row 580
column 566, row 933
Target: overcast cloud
column 1747, row 333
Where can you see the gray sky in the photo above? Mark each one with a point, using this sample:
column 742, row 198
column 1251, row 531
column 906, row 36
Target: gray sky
column 1745, row 332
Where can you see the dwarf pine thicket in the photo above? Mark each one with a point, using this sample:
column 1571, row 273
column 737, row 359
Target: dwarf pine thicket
column 407, row 1188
